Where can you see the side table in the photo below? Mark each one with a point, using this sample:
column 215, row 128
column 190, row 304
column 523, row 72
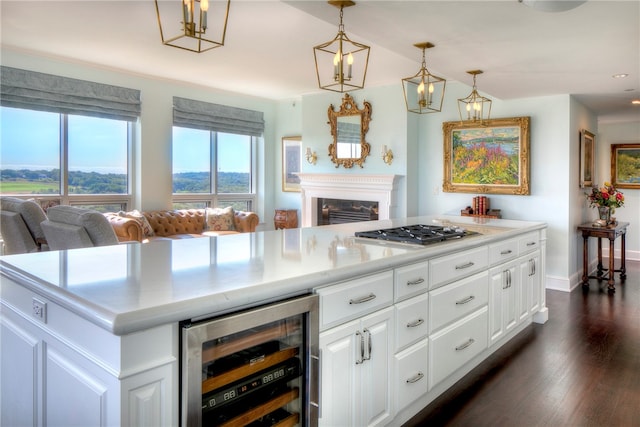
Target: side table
column 611, row 232
column 286, row 218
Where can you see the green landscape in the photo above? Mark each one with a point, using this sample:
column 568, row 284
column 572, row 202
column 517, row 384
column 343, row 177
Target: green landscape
column 26, row 181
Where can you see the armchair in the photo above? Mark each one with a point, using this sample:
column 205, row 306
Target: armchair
column 20, row 225
column 70, row 227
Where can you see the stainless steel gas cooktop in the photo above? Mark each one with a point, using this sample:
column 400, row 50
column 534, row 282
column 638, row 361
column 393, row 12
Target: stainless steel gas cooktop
column 417, row 234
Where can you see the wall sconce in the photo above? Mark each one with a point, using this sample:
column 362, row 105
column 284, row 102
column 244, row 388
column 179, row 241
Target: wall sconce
column 312, row 158
column 387, row 155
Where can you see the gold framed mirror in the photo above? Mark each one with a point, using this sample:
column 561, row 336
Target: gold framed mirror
column 349, row 126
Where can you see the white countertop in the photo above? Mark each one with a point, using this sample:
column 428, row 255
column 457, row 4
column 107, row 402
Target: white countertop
column 131, row 287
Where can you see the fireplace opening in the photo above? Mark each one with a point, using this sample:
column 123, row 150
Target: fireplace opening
column 338, row 211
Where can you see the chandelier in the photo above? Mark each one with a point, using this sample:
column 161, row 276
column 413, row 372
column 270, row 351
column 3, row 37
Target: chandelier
column 194, row 25
column 473, row 107
column 341, row 64
column 423, row 92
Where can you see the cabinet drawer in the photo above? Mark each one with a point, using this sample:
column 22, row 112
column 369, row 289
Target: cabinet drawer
column 411, row 280
column 355, row 298
column 411, row 374
column 456, row 345
column 528, row 242
column 456, row 300
column 411, row 320
column 503, row 251
column 454, row 266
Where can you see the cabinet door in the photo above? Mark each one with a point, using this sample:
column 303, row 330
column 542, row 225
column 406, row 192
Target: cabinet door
column 339, row 352
column 503, row 300
column 530, row 284
column 375, row 372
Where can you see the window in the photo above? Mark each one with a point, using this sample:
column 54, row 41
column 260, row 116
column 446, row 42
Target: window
column 66, row 141
column 65, row 158
column 212, row 169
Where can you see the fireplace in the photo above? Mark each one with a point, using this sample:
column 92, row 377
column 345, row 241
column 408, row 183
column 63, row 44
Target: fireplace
column 380, row 189
column 338, row 211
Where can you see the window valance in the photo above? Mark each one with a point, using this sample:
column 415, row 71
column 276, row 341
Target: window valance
column 214, row 117
column 46, row 92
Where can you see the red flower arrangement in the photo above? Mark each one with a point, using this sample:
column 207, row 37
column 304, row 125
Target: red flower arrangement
column 606, row 196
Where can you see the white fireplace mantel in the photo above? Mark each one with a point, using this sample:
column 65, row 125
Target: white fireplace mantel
column 371, row 188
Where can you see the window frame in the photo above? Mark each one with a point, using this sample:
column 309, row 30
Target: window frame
column 64, row 198
column 212, row 199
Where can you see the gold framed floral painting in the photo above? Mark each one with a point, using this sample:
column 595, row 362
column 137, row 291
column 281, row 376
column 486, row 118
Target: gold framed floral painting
column 625, row 165
column 488, row 158
column 587, row 158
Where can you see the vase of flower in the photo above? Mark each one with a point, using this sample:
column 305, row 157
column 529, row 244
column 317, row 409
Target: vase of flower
column 606, row 198
column 604, row 213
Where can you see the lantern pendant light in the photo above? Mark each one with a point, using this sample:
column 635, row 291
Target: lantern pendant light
column 475, row 107
column 424, row 92
column 341, row 64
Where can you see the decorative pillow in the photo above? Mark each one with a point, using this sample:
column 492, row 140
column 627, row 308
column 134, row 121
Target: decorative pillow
column 142, row 220
column 219, row 219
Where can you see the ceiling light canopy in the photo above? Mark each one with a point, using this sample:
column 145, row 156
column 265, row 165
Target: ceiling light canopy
column 553, row 5
column 423, row 92
column 194, row 25
column 341, row 64
column 474, row 107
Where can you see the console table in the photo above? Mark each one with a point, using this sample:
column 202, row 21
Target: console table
column 610, row 232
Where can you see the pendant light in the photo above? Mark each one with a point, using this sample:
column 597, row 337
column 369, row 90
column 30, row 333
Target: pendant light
column 474, row 107
column 341, row 64
column 194, row 25
column 424, row 92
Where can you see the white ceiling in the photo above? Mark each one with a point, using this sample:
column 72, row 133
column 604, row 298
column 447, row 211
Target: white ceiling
column 268, row 52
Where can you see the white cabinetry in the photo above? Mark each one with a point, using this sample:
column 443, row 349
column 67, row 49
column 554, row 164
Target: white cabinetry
column 504, row 294
column 66, row 369
column 356, row 354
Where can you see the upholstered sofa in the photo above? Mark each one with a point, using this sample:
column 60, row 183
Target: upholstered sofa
column 145, row 226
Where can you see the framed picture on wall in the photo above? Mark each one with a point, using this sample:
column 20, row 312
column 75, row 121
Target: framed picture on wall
column 625, row 165
column 487, row 158
column 291, row 158
column 587, row 158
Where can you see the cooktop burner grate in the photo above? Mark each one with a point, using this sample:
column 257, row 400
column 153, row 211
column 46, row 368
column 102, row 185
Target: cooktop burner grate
column 416, row 234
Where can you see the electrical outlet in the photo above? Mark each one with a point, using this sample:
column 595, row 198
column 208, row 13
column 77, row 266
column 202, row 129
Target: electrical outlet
column 39, row 310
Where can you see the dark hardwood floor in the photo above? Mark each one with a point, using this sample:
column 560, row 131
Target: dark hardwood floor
column 581, row 368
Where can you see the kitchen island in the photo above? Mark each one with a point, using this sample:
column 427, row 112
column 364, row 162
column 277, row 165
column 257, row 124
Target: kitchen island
column 92, row 334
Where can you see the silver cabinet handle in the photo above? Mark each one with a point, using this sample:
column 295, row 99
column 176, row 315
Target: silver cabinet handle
column 465, row 345
column 368, row 356
column 532, row 267
column 531, row 243
column 415, row 323
column 505, row 275
column 360, row 339
column 466, row 300
column 463, row 266
column 507, row 252
column 316, row 385
column 363, row 299
column 417, row 377
column 415, row 282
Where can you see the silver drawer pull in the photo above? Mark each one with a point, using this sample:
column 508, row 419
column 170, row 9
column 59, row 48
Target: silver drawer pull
column 416, row 378
column 363, row 299
column 531, row 243
column 507, row 252
column 466, row 300
column 415, row 282
column 360, row 341
column 465, row 345
column 415, row 323
column 463, row 266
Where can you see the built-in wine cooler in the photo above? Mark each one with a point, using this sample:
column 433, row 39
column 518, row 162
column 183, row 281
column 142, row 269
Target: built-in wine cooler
column 253, row 368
